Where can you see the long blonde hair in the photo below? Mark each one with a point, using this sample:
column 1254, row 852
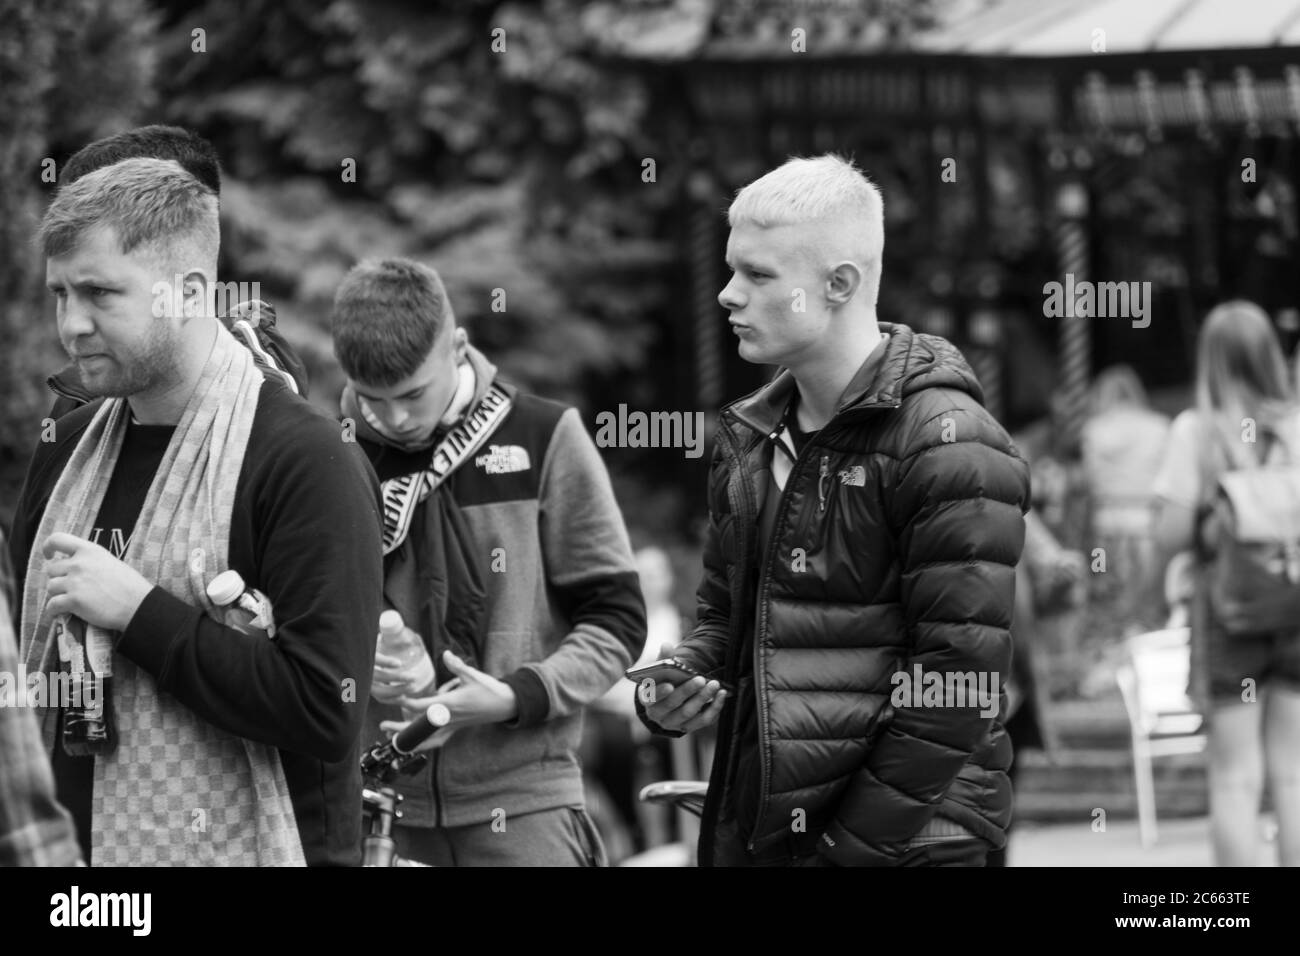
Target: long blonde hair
column 1240, row 374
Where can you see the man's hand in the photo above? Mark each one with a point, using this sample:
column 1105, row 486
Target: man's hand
column 391, row 680
column 691, row 706
column 472, row 697
column 87, row 581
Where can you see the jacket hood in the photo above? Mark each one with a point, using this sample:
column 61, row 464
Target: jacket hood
column 913, row 361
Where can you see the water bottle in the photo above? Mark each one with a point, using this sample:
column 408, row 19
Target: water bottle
column 86, row 657
column 399, row 641
column 246, row 609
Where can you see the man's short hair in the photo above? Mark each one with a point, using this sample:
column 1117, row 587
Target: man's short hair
column 151, row 204
column 827, row 189
column 387, row 315
column 194, row 153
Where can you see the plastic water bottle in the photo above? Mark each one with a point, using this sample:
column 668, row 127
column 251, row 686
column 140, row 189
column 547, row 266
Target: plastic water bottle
column 399, row 641
column 86, row 656
column 246, row 609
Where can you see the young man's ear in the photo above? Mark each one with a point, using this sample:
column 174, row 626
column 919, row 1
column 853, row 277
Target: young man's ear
column 460, row 344
column 844, row 282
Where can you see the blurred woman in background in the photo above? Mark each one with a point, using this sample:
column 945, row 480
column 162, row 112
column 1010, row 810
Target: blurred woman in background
column 1241, row 377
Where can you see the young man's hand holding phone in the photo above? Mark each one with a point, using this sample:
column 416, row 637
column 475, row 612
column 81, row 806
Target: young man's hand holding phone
column 676, row 696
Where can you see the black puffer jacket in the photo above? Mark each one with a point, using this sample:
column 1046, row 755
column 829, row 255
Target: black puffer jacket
column 908, row 507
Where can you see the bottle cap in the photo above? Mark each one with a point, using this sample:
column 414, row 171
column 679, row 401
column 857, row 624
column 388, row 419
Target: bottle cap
column 391, row 623
column 438, row 715
column 225, row 588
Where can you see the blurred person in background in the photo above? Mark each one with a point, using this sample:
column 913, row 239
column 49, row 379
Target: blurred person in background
column 1240, row 375
column 1180, row 589
column 1122, row 446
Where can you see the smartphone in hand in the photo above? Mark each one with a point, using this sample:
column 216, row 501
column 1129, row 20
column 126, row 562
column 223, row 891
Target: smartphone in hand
column 671, row 670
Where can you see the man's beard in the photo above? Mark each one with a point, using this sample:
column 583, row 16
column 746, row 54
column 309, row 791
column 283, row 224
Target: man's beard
column 145, row 371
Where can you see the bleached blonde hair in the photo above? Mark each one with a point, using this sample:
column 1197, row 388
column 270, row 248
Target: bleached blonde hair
column 829, row 190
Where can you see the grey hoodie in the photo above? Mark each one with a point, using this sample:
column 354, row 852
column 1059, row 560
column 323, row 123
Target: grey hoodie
column 565, row 615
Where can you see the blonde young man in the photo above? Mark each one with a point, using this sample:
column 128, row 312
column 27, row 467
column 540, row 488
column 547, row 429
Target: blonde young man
column 859, row 571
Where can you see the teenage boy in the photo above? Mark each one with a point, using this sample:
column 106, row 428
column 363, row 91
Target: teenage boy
column 507, row 554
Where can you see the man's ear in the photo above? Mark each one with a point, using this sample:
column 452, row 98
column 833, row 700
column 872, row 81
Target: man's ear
column 198, row 294
column 460, row 344
column 844, row 281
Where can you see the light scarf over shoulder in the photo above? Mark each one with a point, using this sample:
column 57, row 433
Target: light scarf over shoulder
column 177, row 790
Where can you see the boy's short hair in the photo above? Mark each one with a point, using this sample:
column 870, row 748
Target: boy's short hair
column 387, row 315
column 152, row 204
column 194, row 153
column 827, row 189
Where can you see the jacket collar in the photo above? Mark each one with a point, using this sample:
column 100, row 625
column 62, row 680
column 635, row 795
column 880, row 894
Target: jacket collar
column 878, row 382
column 67, row 384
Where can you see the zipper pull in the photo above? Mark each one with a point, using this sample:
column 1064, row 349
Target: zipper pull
column 821, row 482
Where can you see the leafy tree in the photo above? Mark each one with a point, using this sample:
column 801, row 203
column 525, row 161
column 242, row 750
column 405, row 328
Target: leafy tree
column 69, row 72
column 485, row 138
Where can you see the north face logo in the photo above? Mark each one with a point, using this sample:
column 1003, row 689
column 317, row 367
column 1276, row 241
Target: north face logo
column 855, row 476
column 503, row 459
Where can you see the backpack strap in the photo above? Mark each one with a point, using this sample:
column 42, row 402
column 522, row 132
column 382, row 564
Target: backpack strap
column 1205, row 487
column 253, row 325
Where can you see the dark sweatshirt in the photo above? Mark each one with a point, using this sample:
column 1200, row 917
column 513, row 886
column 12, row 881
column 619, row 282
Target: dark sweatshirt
column 305, row 530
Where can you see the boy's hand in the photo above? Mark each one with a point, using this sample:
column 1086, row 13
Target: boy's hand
column 472, row 697
column 391, row 679
column 691, row 706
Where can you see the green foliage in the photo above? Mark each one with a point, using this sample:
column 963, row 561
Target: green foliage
column 517, row 169
column 502, row 142
column 69, row 72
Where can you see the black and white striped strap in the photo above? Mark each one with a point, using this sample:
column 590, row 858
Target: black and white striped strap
column 402, row 494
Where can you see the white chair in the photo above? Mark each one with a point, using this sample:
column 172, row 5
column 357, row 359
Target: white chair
column 1162, row 720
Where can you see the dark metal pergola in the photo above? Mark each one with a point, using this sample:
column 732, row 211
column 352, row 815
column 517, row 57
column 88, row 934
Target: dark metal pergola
column 1203, row 75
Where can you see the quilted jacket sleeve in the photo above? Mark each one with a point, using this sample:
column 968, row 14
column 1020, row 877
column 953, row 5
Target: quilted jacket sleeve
column 957, row 506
